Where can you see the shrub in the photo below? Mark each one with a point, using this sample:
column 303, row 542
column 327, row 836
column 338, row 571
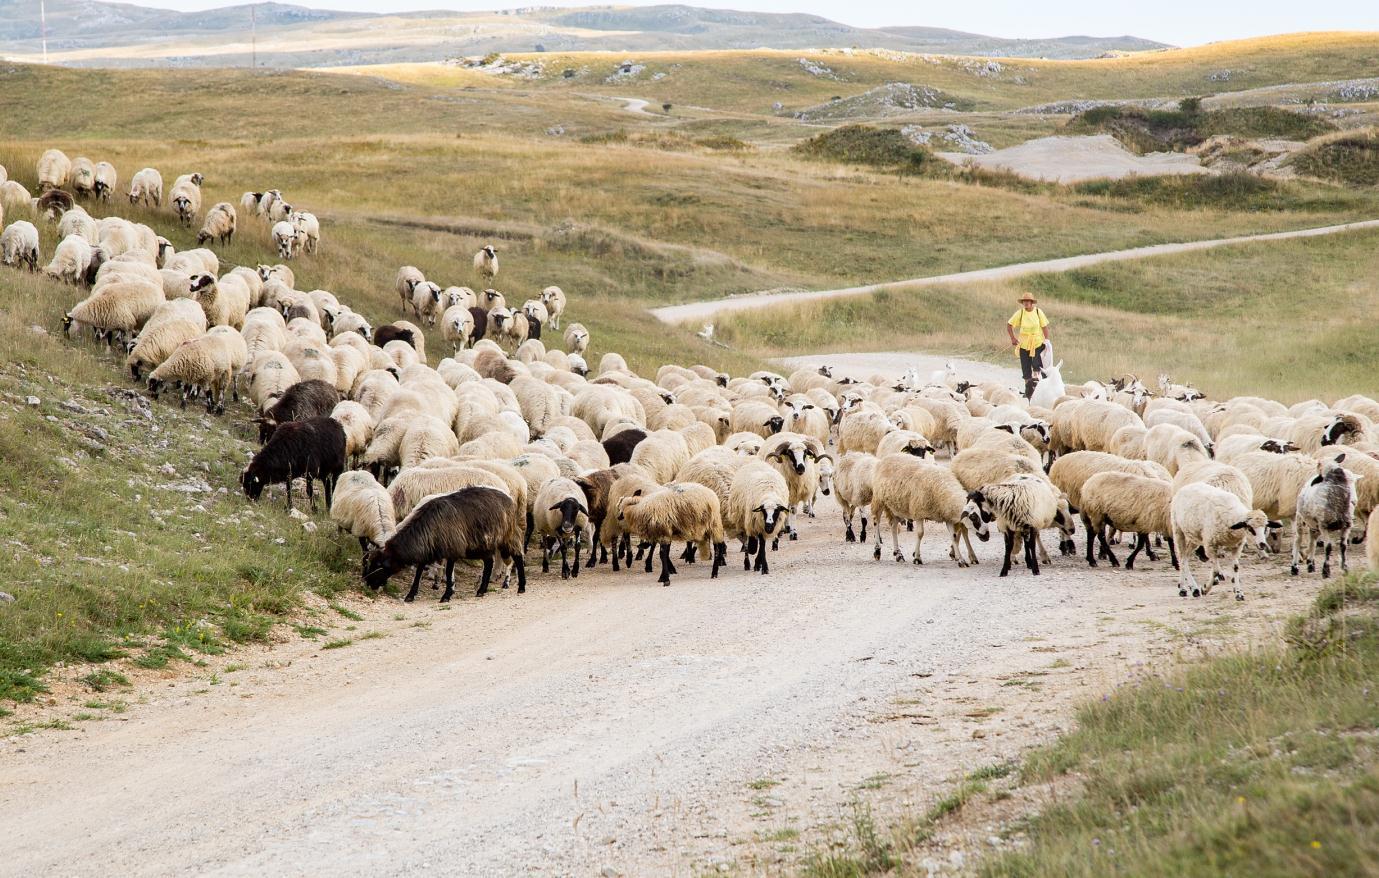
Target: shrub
column 1352, row 157
column 864, row 145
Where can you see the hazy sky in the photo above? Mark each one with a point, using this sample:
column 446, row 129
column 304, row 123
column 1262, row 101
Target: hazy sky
column 1181, row 22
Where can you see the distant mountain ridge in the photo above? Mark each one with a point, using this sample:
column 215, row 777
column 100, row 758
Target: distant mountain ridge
column 84, row 30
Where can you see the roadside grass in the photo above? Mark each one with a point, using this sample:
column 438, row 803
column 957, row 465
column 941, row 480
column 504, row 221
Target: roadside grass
column 1263, row 762
column 1288, row 318
column 1350, row 157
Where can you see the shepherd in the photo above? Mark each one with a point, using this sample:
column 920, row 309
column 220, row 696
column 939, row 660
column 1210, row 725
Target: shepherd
column 1028, row 329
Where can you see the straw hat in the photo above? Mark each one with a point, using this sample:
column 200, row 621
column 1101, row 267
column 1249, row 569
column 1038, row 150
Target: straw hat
column 1028, row 298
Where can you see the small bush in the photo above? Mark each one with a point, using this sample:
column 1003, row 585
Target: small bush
column 1351, row 158
column 864, row 145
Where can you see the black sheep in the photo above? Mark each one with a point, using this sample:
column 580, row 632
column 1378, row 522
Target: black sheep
column 533, row 327
column 471, row 524
column 480, row 325
column 389, row 332
column 621, row 444
column 303, row 400
column 309, row 449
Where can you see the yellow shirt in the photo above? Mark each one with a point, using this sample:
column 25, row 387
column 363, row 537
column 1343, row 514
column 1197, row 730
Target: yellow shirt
column 1029, row 325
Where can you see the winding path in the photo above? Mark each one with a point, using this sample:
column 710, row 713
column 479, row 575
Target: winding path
column 705, row 311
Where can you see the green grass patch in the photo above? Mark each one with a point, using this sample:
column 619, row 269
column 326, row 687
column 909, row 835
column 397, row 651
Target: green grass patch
column 1263, row 763
column 103, row 679
column 1176, row 130
column 1351, row 158
column 347, row 612
column 338, row 643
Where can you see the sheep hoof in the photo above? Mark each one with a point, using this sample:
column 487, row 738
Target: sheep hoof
column 1197, row 592
column 917, row 562
column 1182, row 592
column 1311, row 567
column 1326, row 571
column 1294, row 569
column 877, row 554
column 1239, row 596
column 849, row 537
column 899, row 557
column 794, row 536
column 409, row 599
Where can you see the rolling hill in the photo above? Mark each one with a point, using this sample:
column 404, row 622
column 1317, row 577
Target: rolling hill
column 94, row 33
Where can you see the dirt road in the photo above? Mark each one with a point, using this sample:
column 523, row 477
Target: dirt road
column 706, row 311
column 607, row 726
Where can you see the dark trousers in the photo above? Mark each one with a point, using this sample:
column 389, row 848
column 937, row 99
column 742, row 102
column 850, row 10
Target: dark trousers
column 1030, row 364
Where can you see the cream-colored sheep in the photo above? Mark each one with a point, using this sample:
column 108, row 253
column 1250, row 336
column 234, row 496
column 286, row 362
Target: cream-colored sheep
column 907, row 489
column 1130, row 504
column 853, row 481
column 146, row 188
column 1218, row 523
column 54, row 170
column 362, row 508
column 1071, row 471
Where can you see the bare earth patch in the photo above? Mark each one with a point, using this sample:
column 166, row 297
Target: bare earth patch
column 1068, row 159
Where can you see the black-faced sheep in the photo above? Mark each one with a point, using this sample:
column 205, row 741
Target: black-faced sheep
column 679, row 511
column 1325, row 515
column 560, row 515
column 471, row 524
column 1216, row 522
column 310, row 449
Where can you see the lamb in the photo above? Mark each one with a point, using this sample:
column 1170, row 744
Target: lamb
column 206, row 364
column 905, row 488
column 19, row 244
column 576, row 338
column 808, row 419
column 219, row 224
column 343, row 320
column 426, row 298
column 54, row 170
column 486, row 263
column 679, row 511
column 146, row 188
column 301, row 401
column 1365, row 468
column 284, row 236
column 105, row 181
column 71, row 258
column 553, row 298
column 757, row 416
column 477, row 523
column 361, row 508
column 1130, row 504
column 1021, row 506
column 226, row 301
column 1325, row 514
column 1072, row 471
column 1217, row 522
column 560, row 514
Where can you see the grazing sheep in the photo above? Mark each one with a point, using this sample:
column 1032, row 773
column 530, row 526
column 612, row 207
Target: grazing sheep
column 362, row 508
column 1021, row 506
column 486, row 263
column 146, row 188
column 268, row 376
column 82, row 176
column 54, row 170
column 302, row 401
column 14, row 195
column 907, row 489
column 1216, row 522
column 78, row 222
column 553, row 298
column 71, row 258
column 757, row 510
column 117, row 309
column 308, row 229
column 156, row 343
column 1130, row 504
column 560, row 514
column 1325, row 515
column 311, row 449
column 19, row 244
column 358, row 426
column 106, row 179
column 205, row 364
column 471, row 524
column 219, row 224
column 678, row 511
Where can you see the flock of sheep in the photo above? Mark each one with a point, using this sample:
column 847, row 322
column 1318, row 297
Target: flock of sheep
column 507, row 440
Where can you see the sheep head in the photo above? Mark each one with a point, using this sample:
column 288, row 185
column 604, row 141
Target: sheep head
column 977, row 516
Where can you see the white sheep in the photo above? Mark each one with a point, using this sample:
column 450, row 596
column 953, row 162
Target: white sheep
column 576, row 338
column 1218, row 523
column 267, row 377
column 678, row 511
column 146, row 188
column 1071, row 471
column 78, row 222
column 205, row 364
column 13, row 195
column 1325, row 515
column 486, row 262
column 1021, row 506
column 71, row 258
column 54, row 170
column 117, row 309
column 19, row 244
column 358, row 426
column 853, row 483
column 285, row 239
column 553, row 298
column 758, row 509
column 83, row 176
column 452, row 296
column 362, row 508
column 408, row 276
column 560, row 516
column 907, row 489
column 308, row 229
column 172, row 324
column 426, row 299
column 185, row 196
column 106, row 179
column 219, row 224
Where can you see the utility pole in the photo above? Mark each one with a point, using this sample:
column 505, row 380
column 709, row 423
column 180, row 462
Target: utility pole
column 43, row 26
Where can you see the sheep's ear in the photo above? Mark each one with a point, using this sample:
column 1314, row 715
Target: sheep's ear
column 1240, row 525
column 1340, row 458
column 580, row 507
column 554, row 508
column 1274, row 525
column 1007, row 427
column 1316, row 480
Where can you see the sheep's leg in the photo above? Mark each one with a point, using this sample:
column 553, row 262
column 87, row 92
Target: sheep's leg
column 594, row 548
column 1297, row 547
column 720, row 558
column 564, row 559
column 1345, row 568
column 574, row 571
column 895, row 541
column 967, row 541
column 919, row 536
column 876, row 552
column 673, row 568
column 955, row 532
column 1173, row 553
column 416, row 584
column 1105, row 547
column 328, row 483
column 1141, row 545
column 1010, row 547
column 848, row 536
column 488, row 575
column 748, row 551
column 526, row 539
column 762, row 564
column 288, row 490
column 862, row 537
column 666, row 568
column 1091, row 539
column 545, row 555
column 688, row 555
column 1032, row 547
column 310, row 493
column 1043, row 552
column 449, row 581
column 650, row 555
column 1326, row 561
column 520, row 565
